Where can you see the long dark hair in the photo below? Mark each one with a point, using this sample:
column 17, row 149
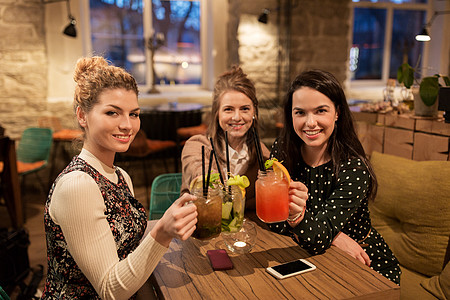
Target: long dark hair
column 343, row 143
column 233, row 80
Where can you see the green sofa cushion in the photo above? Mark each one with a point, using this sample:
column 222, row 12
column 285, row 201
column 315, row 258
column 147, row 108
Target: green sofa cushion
column 410, row 288
column 412, row 210
column 439, row 285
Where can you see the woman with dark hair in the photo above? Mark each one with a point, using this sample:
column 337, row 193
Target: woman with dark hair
column 98, row 243
column 235, row 111
column 333, row 179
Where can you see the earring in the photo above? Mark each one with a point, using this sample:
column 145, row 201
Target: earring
column 253, row 117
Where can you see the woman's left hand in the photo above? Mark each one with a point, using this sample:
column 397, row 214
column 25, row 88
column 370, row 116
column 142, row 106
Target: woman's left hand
column 298, row 195
column 349, row 245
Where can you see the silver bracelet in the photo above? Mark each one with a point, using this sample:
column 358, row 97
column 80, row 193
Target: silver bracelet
column 296, row 218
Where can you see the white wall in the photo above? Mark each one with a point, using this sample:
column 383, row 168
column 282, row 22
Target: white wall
column 62, row 51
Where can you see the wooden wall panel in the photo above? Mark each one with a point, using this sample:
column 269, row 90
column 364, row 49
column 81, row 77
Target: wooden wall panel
column 430, row 147
column 398, row 142
column 433, row 126
column 370, row 136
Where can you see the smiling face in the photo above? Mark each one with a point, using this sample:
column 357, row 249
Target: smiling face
column 313, row 117
column 236, row 113
column 111, row 124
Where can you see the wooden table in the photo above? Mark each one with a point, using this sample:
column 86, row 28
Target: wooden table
column 185, row 273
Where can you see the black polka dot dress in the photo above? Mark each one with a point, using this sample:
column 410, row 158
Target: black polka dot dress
column 338, row 205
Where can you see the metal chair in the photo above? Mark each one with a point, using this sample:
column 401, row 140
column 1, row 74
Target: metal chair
column 3, row 294
column 165, row 190
column 33, row 152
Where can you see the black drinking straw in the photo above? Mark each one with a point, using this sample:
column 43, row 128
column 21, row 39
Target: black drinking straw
column 227, row 154
column 258, row 150
column 211, row 154
column 217, row 161
column 203, row 172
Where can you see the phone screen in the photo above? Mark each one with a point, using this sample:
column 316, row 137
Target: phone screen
column 291, row 267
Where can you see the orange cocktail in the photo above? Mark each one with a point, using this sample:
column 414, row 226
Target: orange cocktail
column 272, row 197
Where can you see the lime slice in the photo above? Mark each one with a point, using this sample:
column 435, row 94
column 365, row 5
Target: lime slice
column 196, row 184
column 268, row 164
column 241, row 181
column 226, row 210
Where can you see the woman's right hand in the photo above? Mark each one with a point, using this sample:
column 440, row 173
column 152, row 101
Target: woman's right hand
column 177, row 222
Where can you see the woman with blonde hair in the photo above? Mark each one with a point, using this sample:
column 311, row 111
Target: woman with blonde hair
column 98, row 243
column 234, row 112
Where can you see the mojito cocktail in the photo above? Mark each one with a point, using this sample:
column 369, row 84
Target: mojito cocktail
column 209, row 211
column 233, row 207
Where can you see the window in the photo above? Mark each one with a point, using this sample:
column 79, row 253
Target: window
column 384, row 37
column 118, row 32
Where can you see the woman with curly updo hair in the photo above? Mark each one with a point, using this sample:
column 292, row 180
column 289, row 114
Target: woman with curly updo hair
column 98, row 242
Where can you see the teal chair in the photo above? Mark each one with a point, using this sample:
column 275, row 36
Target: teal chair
column 33, row 152
column 165, row 190
column 3, row 294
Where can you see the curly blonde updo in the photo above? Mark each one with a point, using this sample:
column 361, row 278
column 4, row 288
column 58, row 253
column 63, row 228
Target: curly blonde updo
column 93, row 75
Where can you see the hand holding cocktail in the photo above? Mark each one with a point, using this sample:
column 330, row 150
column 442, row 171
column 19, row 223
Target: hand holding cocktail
column 272, row 193
column 298, row 195
column 277, row 197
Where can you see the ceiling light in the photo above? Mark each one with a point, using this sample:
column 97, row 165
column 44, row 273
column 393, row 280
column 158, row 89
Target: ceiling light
column 423, row 36
column 264, row 16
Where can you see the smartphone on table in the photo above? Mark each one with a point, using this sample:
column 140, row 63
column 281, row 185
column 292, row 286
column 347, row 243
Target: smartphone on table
column 291, row 268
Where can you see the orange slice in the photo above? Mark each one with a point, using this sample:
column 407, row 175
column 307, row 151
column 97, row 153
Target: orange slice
column 281, row 171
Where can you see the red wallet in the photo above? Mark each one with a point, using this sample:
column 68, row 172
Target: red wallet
column 219, row 259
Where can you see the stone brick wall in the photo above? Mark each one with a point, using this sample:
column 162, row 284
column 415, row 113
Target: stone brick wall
column 320, row 37
column 23, row 61
column 317, row 36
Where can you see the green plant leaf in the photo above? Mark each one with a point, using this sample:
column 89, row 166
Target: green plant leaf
column 446, row 80
column 429, row 89
column 405, row 75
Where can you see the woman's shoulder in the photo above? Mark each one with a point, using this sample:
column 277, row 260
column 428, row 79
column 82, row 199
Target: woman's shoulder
column 354, row 166
column 75, row 177
column 198, row 138
column 196, row 141
column 352, row 162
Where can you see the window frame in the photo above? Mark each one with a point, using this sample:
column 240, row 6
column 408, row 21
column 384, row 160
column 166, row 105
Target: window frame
column 206, row 23
column 390, row 7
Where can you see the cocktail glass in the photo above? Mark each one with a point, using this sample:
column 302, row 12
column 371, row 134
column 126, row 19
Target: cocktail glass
column 209, row 211
column 243, row 240
column 272, row 197
column 233, row 207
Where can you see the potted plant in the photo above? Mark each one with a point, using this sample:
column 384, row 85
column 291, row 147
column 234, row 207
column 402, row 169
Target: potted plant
column 426, row 94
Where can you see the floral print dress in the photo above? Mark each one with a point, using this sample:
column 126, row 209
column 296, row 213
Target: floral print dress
column 127, row 220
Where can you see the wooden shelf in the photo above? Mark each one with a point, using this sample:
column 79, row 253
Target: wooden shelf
column 405, row 135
